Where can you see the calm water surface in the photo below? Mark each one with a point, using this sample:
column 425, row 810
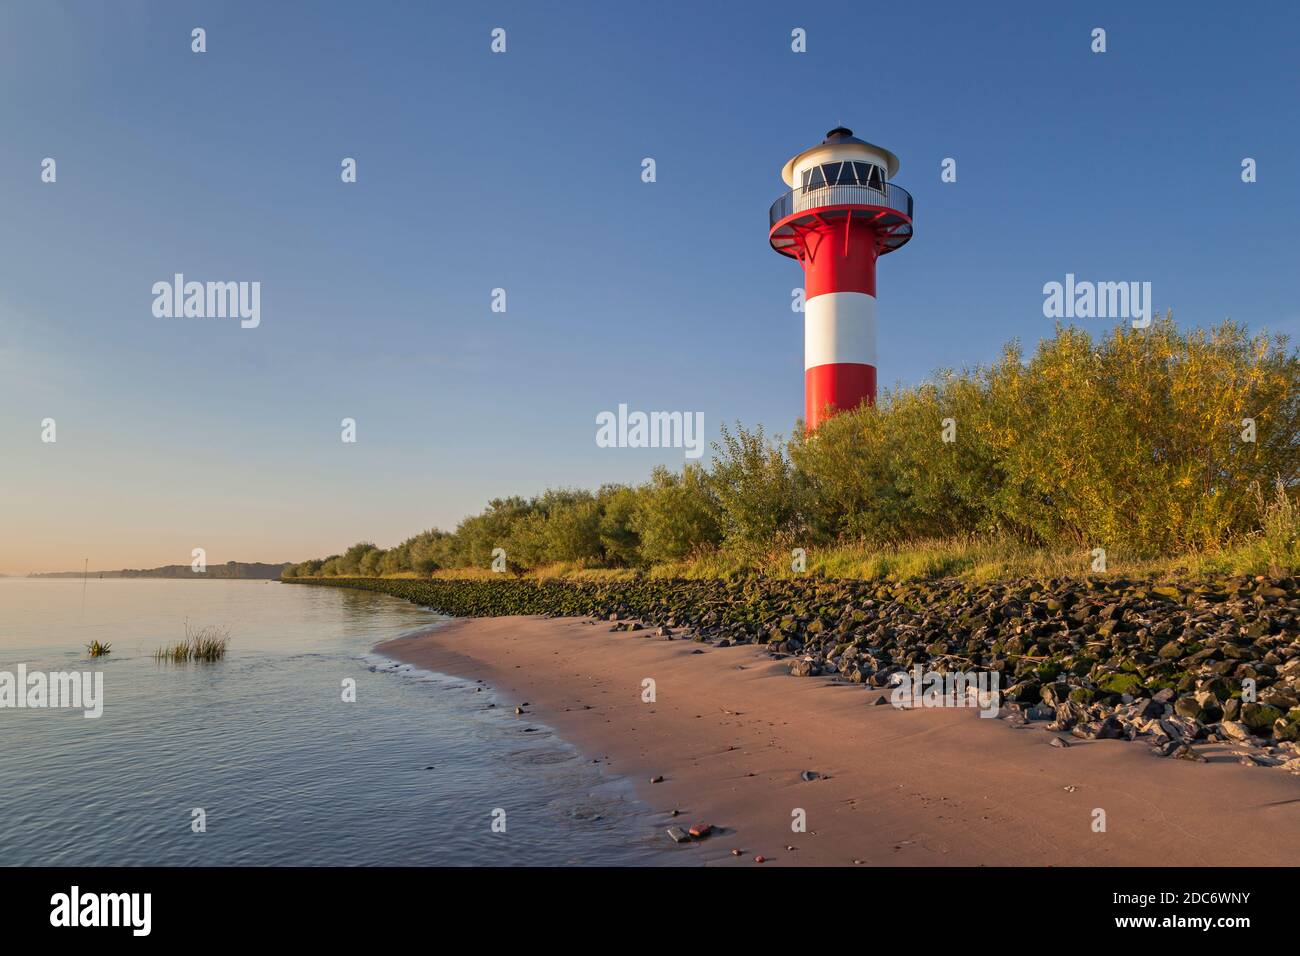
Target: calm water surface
column 286, row 771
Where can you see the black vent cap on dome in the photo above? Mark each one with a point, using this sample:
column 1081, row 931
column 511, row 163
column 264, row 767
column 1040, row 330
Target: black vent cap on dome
column 841, row 134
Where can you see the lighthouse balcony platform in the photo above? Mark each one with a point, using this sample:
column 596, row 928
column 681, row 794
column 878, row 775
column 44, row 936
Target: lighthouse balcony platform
column 887, row 208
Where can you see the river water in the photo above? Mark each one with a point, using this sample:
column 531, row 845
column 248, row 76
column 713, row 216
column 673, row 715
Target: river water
column 261, row 753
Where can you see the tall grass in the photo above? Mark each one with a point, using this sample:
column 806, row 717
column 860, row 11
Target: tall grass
column 206, row 644
column 975, row 558
column 1278, row 538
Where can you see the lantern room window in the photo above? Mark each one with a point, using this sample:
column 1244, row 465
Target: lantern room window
column 843, row 174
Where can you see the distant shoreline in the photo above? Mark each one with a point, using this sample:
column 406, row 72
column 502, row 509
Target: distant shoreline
column 230, row 571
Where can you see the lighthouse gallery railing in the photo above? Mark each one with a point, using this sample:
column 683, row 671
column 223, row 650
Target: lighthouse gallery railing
column 805, row 198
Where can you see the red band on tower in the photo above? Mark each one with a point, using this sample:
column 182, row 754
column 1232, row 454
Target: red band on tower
column 842, row 258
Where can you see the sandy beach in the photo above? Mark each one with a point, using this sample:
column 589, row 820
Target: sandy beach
column 731, row 733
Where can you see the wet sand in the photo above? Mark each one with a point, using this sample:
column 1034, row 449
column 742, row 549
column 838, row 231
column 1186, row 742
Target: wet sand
column 731, row 732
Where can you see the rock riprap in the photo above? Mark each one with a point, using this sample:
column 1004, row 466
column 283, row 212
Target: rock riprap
column 1213, row 659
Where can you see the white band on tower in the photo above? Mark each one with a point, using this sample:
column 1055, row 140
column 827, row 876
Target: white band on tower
column 839, row 327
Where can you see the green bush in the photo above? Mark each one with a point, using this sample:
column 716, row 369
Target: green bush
column 753, row 484
column 370, row 562
column 572, row 530
column 618, row 534
column 676, row 514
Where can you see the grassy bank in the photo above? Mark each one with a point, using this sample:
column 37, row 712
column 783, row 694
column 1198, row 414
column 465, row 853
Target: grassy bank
column 968, row 558
column 980, row 559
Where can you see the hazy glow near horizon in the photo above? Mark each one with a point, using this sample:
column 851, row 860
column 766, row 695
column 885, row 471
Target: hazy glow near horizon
column 478, row 171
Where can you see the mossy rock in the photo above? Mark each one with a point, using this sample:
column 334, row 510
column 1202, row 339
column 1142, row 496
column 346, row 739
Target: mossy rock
column 1206, row 713
column 1048, row 671
column 1082, row 665
column 1219, row 687
column 1026, row 692
column 1259, row 717
column 1054, row 693
column 1121, row 684
column 1284, row 729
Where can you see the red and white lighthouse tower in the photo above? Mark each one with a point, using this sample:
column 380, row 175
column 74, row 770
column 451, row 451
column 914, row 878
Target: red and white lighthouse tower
column 841, row 214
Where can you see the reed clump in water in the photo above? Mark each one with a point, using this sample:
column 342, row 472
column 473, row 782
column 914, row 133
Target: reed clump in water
column 98, row 649
column 206, row 644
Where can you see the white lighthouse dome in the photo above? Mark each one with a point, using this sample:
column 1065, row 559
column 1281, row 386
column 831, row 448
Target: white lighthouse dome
column 839, row 146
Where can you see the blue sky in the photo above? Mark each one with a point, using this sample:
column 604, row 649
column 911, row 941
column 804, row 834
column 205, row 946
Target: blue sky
column 522, row 171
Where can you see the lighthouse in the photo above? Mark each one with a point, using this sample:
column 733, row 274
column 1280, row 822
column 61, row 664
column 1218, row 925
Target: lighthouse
column 841, row 214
